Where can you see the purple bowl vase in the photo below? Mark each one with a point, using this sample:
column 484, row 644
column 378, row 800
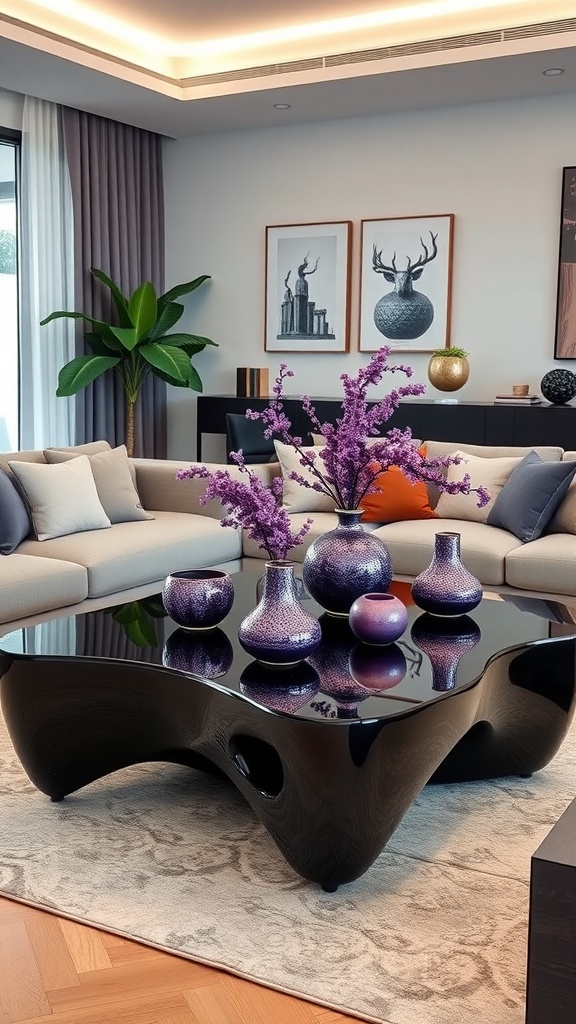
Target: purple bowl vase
column 208, row 654
column 198, row 598
column 378, row 618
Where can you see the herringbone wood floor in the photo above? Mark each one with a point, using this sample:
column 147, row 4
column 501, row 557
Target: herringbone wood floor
column 54, row 971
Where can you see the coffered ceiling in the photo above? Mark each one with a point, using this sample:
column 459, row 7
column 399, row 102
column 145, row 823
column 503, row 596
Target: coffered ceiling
column 185, row 67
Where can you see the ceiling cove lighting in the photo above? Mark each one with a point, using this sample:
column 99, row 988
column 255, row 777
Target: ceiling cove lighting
column 551, row 72
column 282, row 106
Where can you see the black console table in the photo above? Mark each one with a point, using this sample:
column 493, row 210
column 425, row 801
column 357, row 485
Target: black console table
column 466, row 422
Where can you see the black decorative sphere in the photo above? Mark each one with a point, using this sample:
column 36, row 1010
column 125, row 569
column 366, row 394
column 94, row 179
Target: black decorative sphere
column 558, row 386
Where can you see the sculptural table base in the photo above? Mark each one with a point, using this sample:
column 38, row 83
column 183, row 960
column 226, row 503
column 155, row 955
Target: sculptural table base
column 329, row 792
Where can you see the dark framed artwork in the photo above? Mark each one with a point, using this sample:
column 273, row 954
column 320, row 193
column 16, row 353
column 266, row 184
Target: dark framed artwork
column 565, row 338
column 308, row 287
column 406, row 283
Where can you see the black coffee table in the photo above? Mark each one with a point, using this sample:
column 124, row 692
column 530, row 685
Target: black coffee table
column 328, row 765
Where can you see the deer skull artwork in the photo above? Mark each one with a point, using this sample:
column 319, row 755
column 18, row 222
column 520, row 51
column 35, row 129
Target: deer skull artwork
column 404, row 314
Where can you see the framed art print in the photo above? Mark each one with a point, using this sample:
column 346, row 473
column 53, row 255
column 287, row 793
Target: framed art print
column 406, row 283
column 565, row 338
column 308, row 287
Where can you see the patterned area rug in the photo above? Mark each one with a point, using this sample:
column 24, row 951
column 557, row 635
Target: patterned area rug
column 434, row 933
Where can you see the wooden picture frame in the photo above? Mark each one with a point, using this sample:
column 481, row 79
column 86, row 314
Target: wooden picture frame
column 307, row 287
column 565, row 331
column 395, row 253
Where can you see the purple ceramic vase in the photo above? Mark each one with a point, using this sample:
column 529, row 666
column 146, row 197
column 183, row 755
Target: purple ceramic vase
column 445, row 642
column 378, row 618
column 198, row 598
column 285, row 688
column 378, row 668
column 208, row 654
column 279, row 630
column 446, row 587
column 344, row 563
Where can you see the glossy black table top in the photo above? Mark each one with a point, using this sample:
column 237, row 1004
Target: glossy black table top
column 343, row 680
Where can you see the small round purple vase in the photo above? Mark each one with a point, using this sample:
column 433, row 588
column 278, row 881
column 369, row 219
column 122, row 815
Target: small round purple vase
column 378, row 618
column 344, row 563
column 198, row 598
column 446, row 587
column 378, row 668
column 279, row 630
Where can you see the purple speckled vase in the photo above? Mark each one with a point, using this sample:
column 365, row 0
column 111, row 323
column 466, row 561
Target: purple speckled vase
column 445, row 642
column 279, row 630
column 208, row 654
column 446, row 587
column 198, row 598
column 378, row 618
column 345, row 563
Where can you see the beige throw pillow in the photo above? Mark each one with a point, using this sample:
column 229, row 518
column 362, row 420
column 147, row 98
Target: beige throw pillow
column 90, row 448
column 62, row 499
column 111, row 470
column 489, row 473
column 297, row 498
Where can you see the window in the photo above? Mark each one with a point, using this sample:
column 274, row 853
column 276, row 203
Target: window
column 9, row 346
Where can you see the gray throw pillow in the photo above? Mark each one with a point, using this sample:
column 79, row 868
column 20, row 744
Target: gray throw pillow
column 530, row 496
column 15, row 522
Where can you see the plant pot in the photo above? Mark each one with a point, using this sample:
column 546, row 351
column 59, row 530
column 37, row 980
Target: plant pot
column 448, row 373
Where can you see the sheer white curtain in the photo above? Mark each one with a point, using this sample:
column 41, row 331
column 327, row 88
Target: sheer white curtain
column 46, row 276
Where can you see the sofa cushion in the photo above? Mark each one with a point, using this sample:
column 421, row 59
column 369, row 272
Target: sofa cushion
column 531, row 496
column 547, row 565
column 483, row 548
column 62, row 499
column 90, row 448
column 489, row 473
column 564, row 519
column 296, row 497
column 548, row 453
column 398, row 498
column 131, row 554
column 30, row 585
column 15, row 522
column 113, row 478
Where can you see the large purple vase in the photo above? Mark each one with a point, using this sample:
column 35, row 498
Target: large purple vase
column 446, row 587
column 344, row 563
column 279, row 630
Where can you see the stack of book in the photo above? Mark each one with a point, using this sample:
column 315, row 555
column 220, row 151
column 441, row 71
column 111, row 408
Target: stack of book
column 517, row 400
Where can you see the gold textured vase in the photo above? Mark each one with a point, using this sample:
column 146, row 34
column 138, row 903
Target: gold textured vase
column 448, row 373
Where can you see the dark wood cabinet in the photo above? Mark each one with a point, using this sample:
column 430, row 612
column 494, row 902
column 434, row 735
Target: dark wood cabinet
column 465, row 422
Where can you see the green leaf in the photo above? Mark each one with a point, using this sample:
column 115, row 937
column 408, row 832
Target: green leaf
column 104, row 330
column 120, row 301
column 168, row 315
column 185, row 341
column 134, row 618
column 170, row 380
column 126, row 613
column 80, row 372
column 102, row 346
column 127, row 337
column 183, row 289
column 172, row 361
column 143, row 309
column 153, row 605
column 195, row 382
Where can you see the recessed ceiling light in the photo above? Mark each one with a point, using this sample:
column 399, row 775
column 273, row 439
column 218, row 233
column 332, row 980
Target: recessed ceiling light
column 553, row 71
column 282, row 106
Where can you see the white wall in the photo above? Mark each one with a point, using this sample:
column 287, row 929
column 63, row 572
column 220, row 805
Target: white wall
column 11, row 107
column 496, row 166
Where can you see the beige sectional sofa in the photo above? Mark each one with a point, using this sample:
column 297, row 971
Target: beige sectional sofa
column 93, row 568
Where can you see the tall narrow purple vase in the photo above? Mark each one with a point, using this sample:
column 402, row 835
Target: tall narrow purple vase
column 446, row 587
column 279, row 630
column 344, row 563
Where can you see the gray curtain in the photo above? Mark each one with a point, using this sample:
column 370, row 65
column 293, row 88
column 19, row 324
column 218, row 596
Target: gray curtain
column 118, row 198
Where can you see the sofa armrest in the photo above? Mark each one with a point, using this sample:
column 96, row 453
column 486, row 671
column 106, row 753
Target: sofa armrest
column 160, row 491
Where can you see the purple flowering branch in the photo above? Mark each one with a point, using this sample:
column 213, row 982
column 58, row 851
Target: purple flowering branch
column 251, row 505
column 348, row 465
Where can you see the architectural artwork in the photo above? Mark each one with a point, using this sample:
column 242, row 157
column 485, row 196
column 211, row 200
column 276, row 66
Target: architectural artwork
column 299, row 317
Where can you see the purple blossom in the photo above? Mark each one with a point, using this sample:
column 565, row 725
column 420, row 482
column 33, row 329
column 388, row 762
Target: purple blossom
column 251, row 505
column 348, row 465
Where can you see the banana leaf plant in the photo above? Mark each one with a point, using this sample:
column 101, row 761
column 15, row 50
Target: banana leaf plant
column 141, row 344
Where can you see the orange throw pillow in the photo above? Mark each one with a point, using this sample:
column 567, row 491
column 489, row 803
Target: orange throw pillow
column 398, row 499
